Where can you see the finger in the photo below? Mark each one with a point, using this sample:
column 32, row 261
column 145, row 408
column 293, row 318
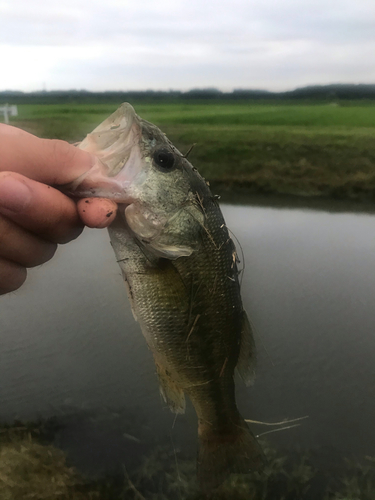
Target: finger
column 50, row 161
column 39, row 208
column 97, row 212
column 22, row 247
column 12, row 276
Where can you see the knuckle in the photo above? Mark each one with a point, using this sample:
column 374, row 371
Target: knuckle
column 5, row 230
column 62, row 230
column 65, row 223
column 12, row 276
column 68, row 161
column 42, row 255
column 64, row 153
column 70, row 234
column 61, row 223
column 5, row 173
column 23, row 248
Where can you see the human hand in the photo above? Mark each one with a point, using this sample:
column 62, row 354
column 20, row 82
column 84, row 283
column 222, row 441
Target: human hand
column 34, row 216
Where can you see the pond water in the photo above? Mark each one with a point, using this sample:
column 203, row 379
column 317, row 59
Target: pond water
column 69, row 344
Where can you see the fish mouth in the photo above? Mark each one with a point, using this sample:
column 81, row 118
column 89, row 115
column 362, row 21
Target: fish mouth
column 115, row 144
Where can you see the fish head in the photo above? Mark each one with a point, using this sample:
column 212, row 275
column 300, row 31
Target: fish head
column 158, row 191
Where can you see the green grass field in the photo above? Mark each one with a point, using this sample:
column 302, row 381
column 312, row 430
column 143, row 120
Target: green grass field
column 307, row 150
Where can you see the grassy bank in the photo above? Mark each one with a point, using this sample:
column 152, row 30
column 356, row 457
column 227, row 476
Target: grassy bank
column 317, row 150
column 33, row 468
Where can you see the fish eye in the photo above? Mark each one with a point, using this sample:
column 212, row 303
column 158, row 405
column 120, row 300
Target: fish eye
column 164, row 159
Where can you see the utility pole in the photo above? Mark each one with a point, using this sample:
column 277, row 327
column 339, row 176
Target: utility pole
column 8, row 110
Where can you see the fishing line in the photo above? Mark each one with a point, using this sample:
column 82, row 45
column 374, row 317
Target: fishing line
column 174, row 420
column 242, row 271
column 139, row 495
column 287, row 421
column 283, row 428
column 277, row 430
column 177, row 469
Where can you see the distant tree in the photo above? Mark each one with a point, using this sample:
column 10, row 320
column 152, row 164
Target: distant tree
column 330, row 93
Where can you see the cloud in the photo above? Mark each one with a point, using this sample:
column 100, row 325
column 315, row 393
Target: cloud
column 182, row 44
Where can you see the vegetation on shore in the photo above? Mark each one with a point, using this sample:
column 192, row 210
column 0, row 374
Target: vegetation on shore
column 311, row 150
column 322, row 93
column 32, row 468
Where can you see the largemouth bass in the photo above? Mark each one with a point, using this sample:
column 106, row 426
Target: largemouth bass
column 180, row 268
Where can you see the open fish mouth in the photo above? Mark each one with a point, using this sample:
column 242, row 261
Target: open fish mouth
column 116, row 145
column 122, row 162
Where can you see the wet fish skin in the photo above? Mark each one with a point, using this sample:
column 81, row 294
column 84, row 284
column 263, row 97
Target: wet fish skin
column 180, row 267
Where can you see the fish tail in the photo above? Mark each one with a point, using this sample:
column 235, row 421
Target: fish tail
column 222, row 451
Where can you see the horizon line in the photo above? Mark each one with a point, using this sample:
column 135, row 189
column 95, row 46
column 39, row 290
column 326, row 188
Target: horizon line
column 192, row 89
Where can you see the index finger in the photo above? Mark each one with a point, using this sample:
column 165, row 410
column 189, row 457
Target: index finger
column 50, row 161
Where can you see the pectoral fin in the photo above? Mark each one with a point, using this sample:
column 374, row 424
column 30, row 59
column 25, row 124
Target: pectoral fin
column 171, row 393
column 247, row 358
column 171, row 252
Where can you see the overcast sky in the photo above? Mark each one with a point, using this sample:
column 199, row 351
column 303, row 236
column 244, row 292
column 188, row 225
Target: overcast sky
column 182, row 44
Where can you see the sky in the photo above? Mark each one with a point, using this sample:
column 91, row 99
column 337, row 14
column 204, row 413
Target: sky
column 182, row 44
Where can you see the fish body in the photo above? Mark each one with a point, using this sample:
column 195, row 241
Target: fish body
column 180, row 267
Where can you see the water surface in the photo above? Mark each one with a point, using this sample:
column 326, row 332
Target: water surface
column 69, row 342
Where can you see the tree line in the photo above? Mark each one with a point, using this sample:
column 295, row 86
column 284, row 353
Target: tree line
column 326, row 93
